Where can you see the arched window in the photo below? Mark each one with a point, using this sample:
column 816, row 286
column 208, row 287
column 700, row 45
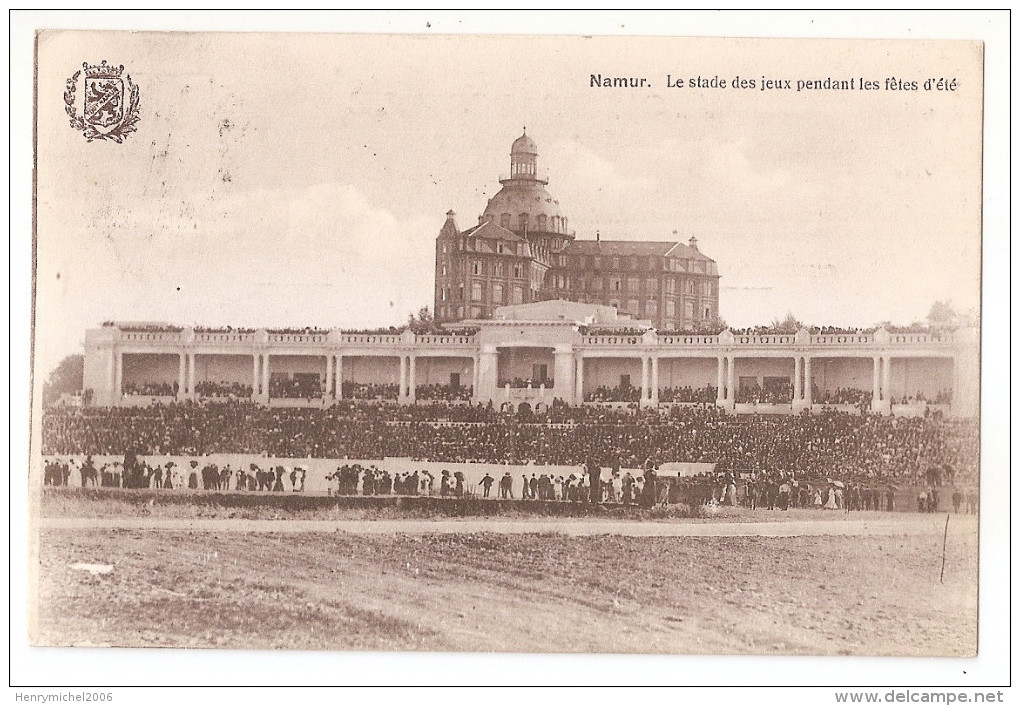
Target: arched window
column 522, row 222
column 504, row 221
column 541, row 222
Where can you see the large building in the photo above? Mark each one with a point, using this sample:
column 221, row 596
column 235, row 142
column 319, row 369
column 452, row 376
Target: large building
column 543, row 317
column 536, row 353
column 522, row 250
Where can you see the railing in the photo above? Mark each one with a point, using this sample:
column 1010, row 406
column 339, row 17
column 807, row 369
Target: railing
column 772, row 339
column 842, row 339
column 439, row 339
column 375, row 338
column 225, row 337
column 612, row 340
column 297, row 338
column 689, row 340
column 151, row 336
column 909, row 338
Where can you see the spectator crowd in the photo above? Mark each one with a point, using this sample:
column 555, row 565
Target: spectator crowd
column 854, row 447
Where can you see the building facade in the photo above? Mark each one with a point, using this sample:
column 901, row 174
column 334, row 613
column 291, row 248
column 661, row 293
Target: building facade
column 522, row 251
column 533, row 354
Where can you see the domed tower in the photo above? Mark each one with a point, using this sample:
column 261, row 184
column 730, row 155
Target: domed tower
column 525, row 207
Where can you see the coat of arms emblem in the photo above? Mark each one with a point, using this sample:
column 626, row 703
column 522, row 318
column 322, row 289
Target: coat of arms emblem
column 109, row 102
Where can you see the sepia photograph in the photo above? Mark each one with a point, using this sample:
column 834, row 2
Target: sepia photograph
column 471, row 341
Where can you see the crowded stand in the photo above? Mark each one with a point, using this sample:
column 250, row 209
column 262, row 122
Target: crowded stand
column 223, row 389
column 447, row 393
column 369, row 391
column 842, row 396
column 522, row 383
column 152, row 389
column 298, row 387
column 779, row 393
column 688, row 394
column 850, row 446
column 620, row 393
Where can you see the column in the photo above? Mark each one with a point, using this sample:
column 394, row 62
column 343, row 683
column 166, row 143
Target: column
column 731, row 382
column 797, row 385
column 410, row 375
column 475, row 363
column 327, row 392
column 488, row 363
column 655, row 380
column 644, row 379
column 807, row 381
column 563, row 373
column 338, row 378
column 191, row 375
column 111, row 378
column 876, row 366
column 402, row 393
column 886, row 374
column 181, row 380
column 118, row 382
column 720, row 393
column 265, row 376
column 255, row 375
column 579, row 380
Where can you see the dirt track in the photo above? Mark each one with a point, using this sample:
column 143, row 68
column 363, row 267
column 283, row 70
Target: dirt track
column 836, row 527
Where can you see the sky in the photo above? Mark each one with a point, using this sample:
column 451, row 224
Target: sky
column 293, row 180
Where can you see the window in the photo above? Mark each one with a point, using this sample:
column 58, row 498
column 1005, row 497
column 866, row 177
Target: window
column 633, row 263
column 504, row 221
column 616, row 263
column 476, row 291
column 670, row 308
column 688, row 310
column 598, row 262
column 652, row 263
column 442, row 294
column 651, row 285
column 651, row 308
column 688, row 286
column 633, row 285
column 498, row 269
column 444, row 248
column 597, row 284
column 444, row 269
column 706, row 288
column 522, row 222
column 670, row 285
column 476, row 267
column 497, row 293
column 632, row 306
column 460, row 293
column 541, row 222
column 616, row 284
column 518, row 270
column 518, row 294
column 708, row 312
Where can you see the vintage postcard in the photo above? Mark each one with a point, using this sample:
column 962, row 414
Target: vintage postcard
column 507, row 343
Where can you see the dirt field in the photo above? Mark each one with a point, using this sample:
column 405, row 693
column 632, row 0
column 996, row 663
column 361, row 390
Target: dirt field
column 482, row 591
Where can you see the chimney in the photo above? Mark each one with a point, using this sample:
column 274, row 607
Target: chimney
column 597, row 236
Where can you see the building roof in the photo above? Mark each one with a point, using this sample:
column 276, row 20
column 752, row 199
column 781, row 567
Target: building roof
column 490, row 230
column 524, row 145
column 523, row 196
column 641, row 248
